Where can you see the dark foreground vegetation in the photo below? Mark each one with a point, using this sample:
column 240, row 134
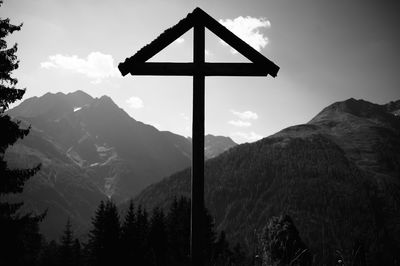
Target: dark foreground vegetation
column 141, row 238
column 164, row 239
column 19, row 234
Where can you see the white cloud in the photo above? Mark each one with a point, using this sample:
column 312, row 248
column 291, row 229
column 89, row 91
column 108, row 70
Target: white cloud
column 246, row 115
column 47, row 65
column 135, row 102
column 179, row 40
column 247, row 137
column 97, row 66
column 248, row 29
column 239, row 123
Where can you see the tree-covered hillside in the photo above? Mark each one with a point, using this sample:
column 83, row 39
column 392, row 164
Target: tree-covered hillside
column 316, row 174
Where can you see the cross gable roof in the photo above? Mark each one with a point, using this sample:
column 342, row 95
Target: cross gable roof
column 200, row 18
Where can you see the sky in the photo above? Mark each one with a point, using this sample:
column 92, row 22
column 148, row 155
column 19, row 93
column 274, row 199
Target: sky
column 327, row 51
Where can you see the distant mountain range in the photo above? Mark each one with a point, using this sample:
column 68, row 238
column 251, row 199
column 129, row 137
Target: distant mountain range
column 90, row 148
column 338, row 177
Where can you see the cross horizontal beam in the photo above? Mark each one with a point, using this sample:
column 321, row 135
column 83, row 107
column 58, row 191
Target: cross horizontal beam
column 238, row 44
column 190, row 69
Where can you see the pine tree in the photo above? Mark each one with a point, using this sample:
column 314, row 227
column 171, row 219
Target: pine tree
column 142, row 239
column 129, row 221
column 209, row 235
column 8, row 62
column 66, row 248
column 96, row 236
column 77, row 253
column 158, row 237
column 20, row 239
column 178, row 228
column 112, row 234
column 104, row 238
column 112, row 222
column 129, row 235
column 281, row 243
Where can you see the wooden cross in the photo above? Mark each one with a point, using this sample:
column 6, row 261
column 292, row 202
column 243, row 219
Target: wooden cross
column 137, row 65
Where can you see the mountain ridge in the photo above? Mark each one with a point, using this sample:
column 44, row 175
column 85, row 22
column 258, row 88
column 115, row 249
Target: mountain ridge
column 91, row 148
column 338, row 176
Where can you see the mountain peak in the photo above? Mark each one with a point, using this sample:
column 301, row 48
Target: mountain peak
column 79, row 93
column 51, row 105
column 106, row 98
column 105, row 101
column 357, row 108
column 215, row 145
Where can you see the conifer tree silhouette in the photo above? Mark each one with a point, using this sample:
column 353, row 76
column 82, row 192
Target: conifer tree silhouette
column 104, row 238
column 77, row 258
column 209, row 235
column 178, row 228
column 142, row 229
column 66, row 248
column 20, row 239
column 282, row 245
column 158, row 237
column 96, row 236
column 129, row 235
column 160, row 240
column 112, row 233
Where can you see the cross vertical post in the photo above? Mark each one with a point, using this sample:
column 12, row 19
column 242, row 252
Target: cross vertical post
column 138, row 65
column 197, row 210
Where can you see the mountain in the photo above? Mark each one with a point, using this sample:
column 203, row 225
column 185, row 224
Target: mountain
column 90, row 148
column 338, row 177
column 215, row 145
column 97, row 135
column 51, row 106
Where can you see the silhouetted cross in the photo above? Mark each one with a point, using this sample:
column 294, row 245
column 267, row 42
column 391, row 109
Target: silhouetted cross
column 137, row 65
